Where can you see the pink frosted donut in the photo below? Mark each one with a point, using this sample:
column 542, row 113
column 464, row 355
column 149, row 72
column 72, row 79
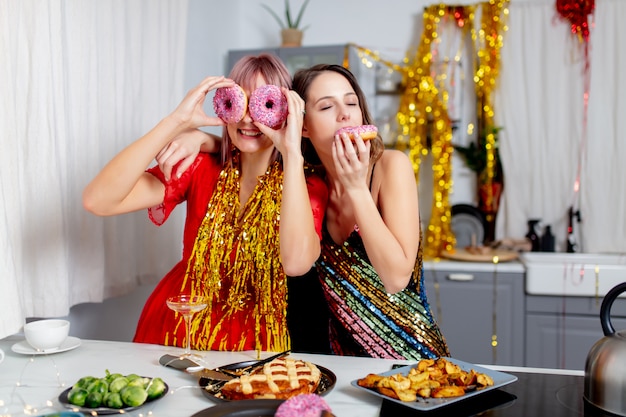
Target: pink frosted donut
column 367, row 132
column 268, row 105
column 303, row 405
column 230, row 103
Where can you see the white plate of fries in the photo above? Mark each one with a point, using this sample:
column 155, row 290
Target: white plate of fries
column 433, row 383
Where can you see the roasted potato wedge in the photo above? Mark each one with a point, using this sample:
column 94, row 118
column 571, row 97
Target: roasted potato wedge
column 429, row 378
column 448, row 391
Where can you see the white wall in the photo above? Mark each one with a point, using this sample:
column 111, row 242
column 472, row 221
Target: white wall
column 215, row 27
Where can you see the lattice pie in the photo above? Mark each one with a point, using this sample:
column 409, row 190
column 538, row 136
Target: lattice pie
column 281, row 379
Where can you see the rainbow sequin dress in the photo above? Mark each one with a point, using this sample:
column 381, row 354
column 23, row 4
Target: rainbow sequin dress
column 365, row 319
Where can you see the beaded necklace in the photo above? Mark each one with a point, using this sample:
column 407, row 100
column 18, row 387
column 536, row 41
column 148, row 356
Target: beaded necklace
column 242, row 251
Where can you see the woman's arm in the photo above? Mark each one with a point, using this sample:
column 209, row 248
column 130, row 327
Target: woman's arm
column 388, row 226
column 299, row 240
column 123, row 185
column 392, row 243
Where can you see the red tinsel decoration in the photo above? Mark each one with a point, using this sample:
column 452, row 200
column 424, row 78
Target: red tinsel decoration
column 577, row 13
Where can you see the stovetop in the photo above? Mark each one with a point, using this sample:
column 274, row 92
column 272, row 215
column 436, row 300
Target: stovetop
column 531, row 395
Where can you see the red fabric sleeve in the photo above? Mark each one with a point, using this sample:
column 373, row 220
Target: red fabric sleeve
column 318, row 195
column 175, row 192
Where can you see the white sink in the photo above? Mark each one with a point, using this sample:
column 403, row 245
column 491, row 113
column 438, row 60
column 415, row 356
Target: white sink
column 573, row 274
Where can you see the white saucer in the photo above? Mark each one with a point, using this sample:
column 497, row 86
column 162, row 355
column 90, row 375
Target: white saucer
column 25, row 349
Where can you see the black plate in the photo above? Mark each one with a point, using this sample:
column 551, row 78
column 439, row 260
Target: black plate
column 467, row 221
column 243, row 408
column 103, row 411
column 212, row 388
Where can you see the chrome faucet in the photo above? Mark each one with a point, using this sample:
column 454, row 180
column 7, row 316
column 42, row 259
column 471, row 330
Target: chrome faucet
column 572, row 246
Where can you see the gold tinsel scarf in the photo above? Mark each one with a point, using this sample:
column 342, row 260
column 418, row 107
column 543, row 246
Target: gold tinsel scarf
column 241, row 251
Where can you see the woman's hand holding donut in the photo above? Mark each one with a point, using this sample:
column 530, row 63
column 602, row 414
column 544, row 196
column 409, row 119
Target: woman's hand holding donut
column 351, row 160
column 190, row 112
column 287, row 139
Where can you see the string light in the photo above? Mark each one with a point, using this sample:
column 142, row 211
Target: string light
column 494, row 321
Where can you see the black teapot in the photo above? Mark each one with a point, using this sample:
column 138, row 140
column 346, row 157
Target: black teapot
column 605, row 368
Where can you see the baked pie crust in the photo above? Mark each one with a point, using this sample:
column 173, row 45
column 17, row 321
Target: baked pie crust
column 280, row 379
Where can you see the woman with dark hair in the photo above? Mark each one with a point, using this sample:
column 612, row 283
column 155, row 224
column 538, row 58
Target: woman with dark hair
column 371, row 262
column 243, row 232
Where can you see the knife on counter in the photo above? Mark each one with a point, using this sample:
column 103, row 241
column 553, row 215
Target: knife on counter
column 191, row 367
column 218, row 374
column 247, row 369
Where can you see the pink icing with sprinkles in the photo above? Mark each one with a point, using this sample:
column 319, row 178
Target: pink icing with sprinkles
column 268, row 105
column 230, row 103
column 358, row 130
column 303, row 405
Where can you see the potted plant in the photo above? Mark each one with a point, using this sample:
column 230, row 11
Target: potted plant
column 475, row 154
column 291, row 32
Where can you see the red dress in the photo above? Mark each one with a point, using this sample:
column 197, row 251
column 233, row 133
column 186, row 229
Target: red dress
column 160, row 325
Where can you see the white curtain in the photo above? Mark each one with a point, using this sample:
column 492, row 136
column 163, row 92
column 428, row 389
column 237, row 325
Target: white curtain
column 540, row 104
column 79, row 80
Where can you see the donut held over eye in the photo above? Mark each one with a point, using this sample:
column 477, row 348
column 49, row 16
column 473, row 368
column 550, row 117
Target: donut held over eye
column 230, row 103
column 367, row 132
column 268, row 105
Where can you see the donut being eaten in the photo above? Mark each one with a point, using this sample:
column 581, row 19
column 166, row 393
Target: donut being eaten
column 366, row 132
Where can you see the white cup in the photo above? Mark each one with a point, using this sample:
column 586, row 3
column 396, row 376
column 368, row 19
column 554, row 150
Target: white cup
column 46, row 335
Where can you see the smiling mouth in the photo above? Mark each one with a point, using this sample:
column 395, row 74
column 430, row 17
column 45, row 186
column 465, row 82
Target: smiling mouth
column 251, row 133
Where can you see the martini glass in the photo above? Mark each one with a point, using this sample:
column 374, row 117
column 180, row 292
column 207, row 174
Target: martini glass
column 187, row 306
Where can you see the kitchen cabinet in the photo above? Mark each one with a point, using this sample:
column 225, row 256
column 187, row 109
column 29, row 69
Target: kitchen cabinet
column 297, row 58
column 468, row 300
column 560, row 331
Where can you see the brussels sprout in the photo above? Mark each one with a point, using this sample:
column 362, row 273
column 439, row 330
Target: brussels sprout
column 132, row 377
column 114, row 400
column 99, row 385
column 133, row 396
column 139, row 382
column 84, row 382
column 77, row 396
column 156, row 388
column 94, row 399
column 112, row 377
column 117, row 384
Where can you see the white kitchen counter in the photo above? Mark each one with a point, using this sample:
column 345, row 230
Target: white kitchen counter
column 445, row 265
column 31, row 384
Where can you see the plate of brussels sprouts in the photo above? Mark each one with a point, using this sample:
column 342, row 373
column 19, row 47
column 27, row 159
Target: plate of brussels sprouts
column 114, row 393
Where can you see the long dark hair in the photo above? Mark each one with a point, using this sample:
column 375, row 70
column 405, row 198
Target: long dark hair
column 244, row 72
column 302, row 81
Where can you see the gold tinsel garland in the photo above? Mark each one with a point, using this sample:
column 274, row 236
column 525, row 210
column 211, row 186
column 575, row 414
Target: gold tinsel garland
column 489, row 41
column 423, row 116
column 227, row 251
column 425, row 126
